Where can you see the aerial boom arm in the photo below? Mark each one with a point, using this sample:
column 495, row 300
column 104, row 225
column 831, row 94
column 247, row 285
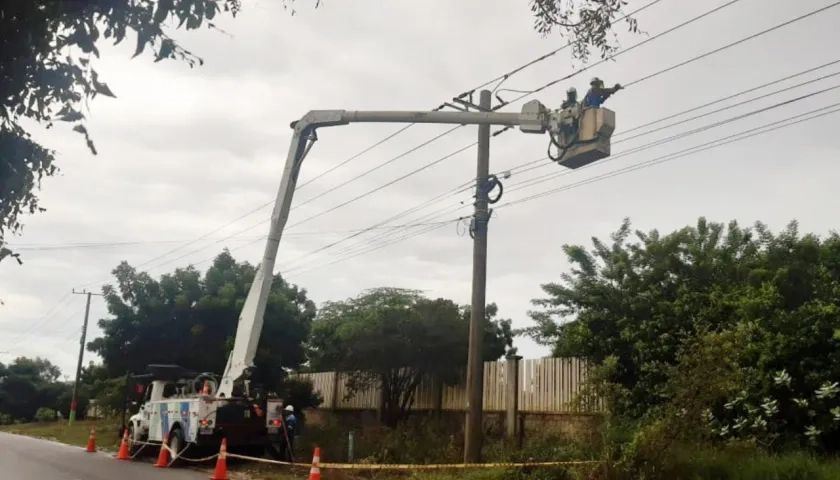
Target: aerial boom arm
column 535, row 118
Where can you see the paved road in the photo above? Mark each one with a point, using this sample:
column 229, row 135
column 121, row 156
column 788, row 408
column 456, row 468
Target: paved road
column 25, row 458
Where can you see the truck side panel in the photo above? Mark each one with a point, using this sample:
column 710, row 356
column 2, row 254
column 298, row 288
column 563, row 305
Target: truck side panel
column 164, row 415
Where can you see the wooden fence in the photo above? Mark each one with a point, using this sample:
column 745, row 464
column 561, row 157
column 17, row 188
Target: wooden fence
column 546, row 385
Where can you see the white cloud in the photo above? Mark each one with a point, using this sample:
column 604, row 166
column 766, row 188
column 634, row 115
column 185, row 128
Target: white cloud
column 183, row 151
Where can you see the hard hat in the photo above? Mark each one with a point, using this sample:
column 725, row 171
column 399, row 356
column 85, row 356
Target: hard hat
column 594, row 80
column 571, row 90
column 289, row 408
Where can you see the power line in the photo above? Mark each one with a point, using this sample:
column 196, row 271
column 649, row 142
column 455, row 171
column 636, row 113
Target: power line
column 501, row 77
column 540, row 179
column 497, row 133
column 729, row 97
column 673, row 156
column 398, row 179
column 32, row 331
column 522, row 168
column 528, row 93
column 543, row 178
column 731, row 2
column 44, row 319
column 351, row 248
column 686, row 62
column 651, row 131
column 738, row 42
column 689, row 151
column 74, row 245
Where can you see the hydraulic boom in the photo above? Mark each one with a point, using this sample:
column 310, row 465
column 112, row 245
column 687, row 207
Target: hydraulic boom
column 534, row 118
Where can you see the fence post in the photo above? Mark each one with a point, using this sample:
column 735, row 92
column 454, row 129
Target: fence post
column 437, row 392
column 334, row 399
column 511, row 394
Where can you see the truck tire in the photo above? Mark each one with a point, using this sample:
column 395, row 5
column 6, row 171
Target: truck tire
column 133, row 446
column 176, row 444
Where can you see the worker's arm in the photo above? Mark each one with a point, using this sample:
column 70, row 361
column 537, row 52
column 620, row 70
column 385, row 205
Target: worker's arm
column 609, row 91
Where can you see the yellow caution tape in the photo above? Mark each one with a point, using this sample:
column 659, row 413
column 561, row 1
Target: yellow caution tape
column 453, row 466
column 444, row 466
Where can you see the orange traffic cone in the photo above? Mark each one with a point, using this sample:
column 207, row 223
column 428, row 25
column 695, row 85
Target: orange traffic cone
column 122, row 454
column 220, row 473
column 315, row 471
column 163, row 456
column 91, row 446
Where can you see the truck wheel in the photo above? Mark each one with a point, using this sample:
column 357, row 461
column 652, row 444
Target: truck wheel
column 133, row 446
column 176, row 444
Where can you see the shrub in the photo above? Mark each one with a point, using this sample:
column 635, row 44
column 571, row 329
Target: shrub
column 45, row 414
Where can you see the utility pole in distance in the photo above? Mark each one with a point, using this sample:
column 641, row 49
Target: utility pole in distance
column 475, row 361
column 73, row 402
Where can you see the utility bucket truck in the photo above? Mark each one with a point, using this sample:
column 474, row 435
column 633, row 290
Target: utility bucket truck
column 188, row 407
column 201, row 409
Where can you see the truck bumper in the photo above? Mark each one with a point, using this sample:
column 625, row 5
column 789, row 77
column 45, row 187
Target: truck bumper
column 236, row 436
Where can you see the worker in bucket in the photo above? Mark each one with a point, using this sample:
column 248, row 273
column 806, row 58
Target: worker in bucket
column 598, row 94
column 290, row 426
column 571, row 98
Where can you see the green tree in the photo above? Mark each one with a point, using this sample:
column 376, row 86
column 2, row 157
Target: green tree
column 28, row 384
column 395, row 338
column 47, row 66
column 190, row 320
column 656, row 310
column 50, row 48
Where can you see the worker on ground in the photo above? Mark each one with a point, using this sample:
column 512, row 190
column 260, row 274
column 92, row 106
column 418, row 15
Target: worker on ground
column 597, row 94
column 571, row 98
column 290, row 423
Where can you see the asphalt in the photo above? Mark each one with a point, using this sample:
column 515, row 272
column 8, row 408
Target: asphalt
column 26, row 458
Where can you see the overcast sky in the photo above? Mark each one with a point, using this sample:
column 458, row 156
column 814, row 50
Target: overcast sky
column 182, row 152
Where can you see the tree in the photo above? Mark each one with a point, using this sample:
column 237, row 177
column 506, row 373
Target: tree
column 48, row 69
column 587, row 23
column 48, row 75
column 30, row 384
column 191, row 321
column 396, row 338
column 658, row 308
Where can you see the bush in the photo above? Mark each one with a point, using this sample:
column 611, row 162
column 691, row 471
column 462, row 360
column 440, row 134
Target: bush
column 6, row 419
column 45, row 414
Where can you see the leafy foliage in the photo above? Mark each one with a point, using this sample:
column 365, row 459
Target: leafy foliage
column 190, row 320
column 709, row 317
column 31, row 385
column 395, row 338
column 48, row 75
column 50, row 47
column 587, row 23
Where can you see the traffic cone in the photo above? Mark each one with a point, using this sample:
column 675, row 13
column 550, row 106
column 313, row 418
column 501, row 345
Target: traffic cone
column 220, row 473
column 163, row 456
column 206, row 389
column 122, row 454
column 315, row 471
column 91, row 446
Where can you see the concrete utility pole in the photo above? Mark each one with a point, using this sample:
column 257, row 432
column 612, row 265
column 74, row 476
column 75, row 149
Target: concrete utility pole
column 475, row 361
column 81, row 354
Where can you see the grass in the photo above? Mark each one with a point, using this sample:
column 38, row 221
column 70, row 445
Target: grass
column 745, row 465
column 107, row 437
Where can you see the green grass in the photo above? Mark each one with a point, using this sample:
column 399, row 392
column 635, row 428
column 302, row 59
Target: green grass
column 106, row 432
column 740, row 465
